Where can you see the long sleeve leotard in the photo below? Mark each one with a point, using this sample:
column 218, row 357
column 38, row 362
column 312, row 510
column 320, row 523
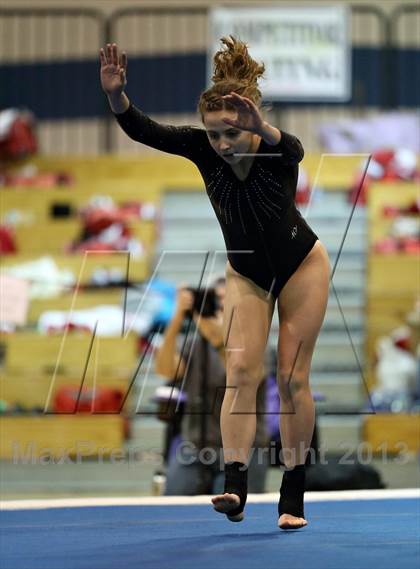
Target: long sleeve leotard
column 266, row 237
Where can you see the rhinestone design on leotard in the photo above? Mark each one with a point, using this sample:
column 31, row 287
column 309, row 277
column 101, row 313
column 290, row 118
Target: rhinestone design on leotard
column 220, row 191
column 257, row 215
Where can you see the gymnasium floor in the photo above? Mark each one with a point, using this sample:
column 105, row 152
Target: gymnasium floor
column 353, row 530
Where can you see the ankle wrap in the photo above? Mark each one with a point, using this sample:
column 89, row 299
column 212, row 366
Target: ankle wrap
column 291, row 492
column 236, row 482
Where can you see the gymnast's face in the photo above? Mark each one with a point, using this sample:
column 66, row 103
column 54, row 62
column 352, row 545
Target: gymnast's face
column 224, row 139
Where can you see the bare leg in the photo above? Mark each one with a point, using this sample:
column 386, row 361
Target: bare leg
column 302, row 304
column 247, row 318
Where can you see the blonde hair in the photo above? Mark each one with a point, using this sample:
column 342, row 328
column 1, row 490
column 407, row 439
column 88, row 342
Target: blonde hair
column 234, row 70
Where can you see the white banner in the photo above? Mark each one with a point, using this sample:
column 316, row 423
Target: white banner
column 306, row 50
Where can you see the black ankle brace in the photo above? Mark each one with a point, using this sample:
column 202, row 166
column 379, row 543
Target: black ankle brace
column 236, row 482
column 291, row 492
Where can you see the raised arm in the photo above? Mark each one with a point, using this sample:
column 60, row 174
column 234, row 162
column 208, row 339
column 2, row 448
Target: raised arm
column 184, row 141
column 168, row 361
column 114, row 77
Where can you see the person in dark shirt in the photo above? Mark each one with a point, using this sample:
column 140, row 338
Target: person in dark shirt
column 250, row 171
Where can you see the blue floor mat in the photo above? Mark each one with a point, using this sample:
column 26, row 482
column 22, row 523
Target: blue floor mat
column 374, row 534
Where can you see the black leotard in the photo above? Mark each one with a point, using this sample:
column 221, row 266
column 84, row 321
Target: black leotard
column 266, row 237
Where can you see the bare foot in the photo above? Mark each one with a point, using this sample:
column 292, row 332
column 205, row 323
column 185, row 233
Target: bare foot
column 287, row 521
column 225, row 503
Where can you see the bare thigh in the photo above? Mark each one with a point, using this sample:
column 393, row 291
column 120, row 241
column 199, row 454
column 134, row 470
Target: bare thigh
column 302, row 305
column 247, row 319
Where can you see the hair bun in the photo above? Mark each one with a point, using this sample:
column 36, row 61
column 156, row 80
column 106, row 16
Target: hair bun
column 234, row 70
column 233, row 63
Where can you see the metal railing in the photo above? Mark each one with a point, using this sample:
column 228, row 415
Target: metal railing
column 53, row 37
column 159, row 32
column 404, row 65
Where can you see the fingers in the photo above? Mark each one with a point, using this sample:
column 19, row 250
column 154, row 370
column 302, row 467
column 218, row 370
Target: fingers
column 114, row 54
column 185, row 299
column 123, row 60
column 108, row 53
column 231, row 122
column 238, row 100
column 246, row 99
column 102, row 56
column 109, row 56
column 241, row 102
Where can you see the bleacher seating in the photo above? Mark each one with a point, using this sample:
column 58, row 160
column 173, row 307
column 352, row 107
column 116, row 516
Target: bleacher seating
column 35, row 366
column 392, row 289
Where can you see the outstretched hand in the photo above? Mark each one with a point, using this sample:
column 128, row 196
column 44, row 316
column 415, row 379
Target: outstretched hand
column 249, row 116
column 113, row 70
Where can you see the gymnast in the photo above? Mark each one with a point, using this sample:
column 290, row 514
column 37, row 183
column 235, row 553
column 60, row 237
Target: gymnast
column 250, row 171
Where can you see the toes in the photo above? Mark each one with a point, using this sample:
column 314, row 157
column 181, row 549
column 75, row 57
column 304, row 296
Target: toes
column 291, row 522
column 230, row 499
column 219, row 499
column 225, row 502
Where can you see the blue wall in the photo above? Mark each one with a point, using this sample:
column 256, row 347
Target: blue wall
column 171, row 84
